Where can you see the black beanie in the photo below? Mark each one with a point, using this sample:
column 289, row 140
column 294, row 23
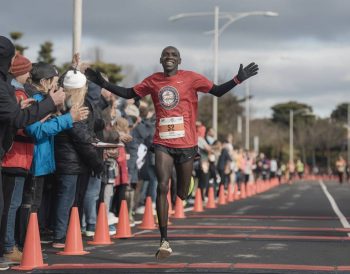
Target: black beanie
column 7, row 51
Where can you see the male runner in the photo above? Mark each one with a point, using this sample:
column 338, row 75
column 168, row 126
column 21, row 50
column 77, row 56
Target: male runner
column 174, row 95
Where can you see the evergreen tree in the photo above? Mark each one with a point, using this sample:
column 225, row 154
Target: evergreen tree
column 45, row 53
column 16, row 35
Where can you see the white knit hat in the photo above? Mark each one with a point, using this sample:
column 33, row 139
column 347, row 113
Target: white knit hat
column 74, row 79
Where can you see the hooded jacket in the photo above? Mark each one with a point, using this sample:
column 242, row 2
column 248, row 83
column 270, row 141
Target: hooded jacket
column 12, row 117
column 43, row 134
column 19, row 158
column 74, row 152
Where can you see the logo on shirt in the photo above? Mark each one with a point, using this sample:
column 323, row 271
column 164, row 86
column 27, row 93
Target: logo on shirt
column 168, row 97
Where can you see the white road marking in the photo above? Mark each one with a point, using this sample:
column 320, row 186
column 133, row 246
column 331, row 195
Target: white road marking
column 335, row 207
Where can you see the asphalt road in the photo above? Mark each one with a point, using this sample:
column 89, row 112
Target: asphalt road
column 291, row 228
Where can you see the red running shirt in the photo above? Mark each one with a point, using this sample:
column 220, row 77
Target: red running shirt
column 176, row 101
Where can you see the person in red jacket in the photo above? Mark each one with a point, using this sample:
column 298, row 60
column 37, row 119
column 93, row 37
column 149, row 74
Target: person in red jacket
column 174, row 94
column 16, row 165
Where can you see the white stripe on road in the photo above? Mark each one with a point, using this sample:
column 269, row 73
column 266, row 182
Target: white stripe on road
column 335, row 207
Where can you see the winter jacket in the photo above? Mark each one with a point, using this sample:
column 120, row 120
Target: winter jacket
column 12, row 117
column 74, row 152
column 43, row 134
column 19, row 158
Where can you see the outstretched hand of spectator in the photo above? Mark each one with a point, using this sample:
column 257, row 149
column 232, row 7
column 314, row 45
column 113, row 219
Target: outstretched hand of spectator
column 79, row 113
column 58, row 96
column 125, row 138
column 248, row 71
column 26, row 102
column 95, row 76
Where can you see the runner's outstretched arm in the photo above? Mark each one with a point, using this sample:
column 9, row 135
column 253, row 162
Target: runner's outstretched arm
column 243, row 74
column 97, row 78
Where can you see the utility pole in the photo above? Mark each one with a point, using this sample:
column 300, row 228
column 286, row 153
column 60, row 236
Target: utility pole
column 77, row 25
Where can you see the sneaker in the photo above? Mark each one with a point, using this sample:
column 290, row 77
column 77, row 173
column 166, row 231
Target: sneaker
column 89, row 233
column 131, row 221
column 112, row 230
column 59, row 243
column 14, row 256
column 164, row 251
column 4, row 266
column 112, row 219
column 140, row 210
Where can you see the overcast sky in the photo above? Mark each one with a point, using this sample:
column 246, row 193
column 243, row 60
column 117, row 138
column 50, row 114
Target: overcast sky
column 303, row 54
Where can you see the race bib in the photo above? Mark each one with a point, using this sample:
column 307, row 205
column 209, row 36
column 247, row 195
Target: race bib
column 172, row 127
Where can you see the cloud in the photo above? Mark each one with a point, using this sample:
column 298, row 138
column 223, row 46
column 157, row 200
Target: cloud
column 302, row 54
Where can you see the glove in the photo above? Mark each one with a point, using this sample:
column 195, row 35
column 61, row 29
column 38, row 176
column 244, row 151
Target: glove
column 95, row 77
column 245, row 73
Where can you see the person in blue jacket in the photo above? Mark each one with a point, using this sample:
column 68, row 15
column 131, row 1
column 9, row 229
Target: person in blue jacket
column 44, row 77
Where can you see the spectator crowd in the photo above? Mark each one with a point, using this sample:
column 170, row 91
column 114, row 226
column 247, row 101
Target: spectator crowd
column 64, row 141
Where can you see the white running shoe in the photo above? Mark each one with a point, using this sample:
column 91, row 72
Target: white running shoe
column 164, row 251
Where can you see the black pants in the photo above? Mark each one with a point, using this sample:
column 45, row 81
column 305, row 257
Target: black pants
column 32, row 194
column 48, row 201
column 1, row 196
column 118, row 197
column 82, row 184
column 7, row 189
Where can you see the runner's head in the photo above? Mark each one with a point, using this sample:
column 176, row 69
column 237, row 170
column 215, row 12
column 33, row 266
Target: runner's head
column 170, row 60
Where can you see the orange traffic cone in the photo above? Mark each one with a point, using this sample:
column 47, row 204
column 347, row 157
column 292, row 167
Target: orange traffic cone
column 222, row 200
column 179, row 209
column 248, row 189
column 198, row 204
column 32, row 256
column 211, row 199
column 148, row 218
column 230, row 195
column 123, row 229
column 236, row 192
column 170, row 209
column 74, row 241
column 101, row 236
column 243, row 194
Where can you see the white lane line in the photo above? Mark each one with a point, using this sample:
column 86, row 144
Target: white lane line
column 335, row 207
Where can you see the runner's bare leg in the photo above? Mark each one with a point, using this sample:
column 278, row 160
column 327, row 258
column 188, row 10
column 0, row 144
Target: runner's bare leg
column 184, row 174
column 164, row 167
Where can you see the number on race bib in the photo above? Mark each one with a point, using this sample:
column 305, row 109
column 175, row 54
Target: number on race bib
column 171, row 128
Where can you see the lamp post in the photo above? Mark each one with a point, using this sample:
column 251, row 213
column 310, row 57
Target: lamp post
column 247, row 116
column 231, row 17
column 305, row 111
column 348, row 137
column 77, row 25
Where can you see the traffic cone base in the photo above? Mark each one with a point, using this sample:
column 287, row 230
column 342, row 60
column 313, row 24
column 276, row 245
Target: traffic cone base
column 74, row 241
column 148, row 218
column 222, row 199
column 32, row 256
column 123, row 229
column 198, row 203
column 101, row 236
column 211, row 199
column 179, row 209
column 230, row 194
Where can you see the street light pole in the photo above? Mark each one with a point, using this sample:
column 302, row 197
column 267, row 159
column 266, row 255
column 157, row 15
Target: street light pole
column 231, row 17
column 77, row 25
column 216, row 68
column 247, row 116
column 305, row 111
column 348, row 133
column 291, row 140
